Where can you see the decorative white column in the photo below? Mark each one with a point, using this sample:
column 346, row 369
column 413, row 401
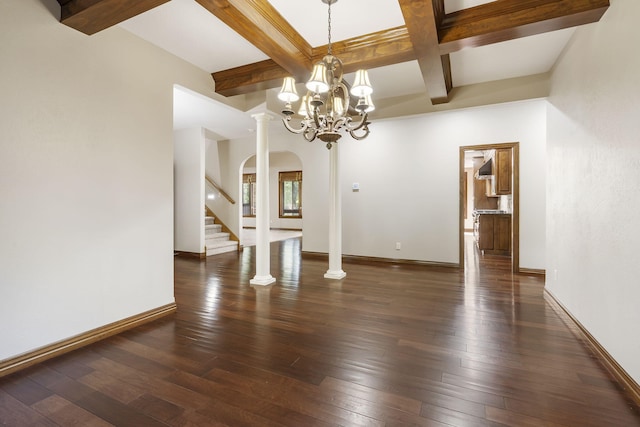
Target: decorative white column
column 263, row 255
column 335, row 218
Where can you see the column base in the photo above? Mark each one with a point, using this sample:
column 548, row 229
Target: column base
column 262, row 280
column 335, row 274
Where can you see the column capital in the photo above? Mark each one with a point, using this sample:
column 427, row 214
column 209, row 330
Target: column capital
column 263, row 116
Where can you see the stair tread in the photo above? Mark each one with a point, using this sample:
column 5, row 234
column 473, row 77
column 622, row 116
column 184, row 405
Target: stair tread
column 221, row 243
column 217, row 235
column 216, row 240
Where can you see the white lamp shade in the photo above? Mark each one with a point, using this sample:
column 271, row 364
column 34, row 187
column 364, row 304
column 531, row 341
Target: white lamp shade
column 318, row 81
column 365, row 105
column 288, row 92
column 303, row 107
column 369, row 102
column 361, row 86
column 338, row 107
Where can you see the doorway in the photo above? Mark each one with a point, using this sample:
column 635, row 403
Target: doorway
column 499, row 181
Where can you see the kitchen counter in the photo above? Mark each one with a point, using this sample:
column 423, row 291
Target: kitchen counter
column 492, row 231
column 490, row 212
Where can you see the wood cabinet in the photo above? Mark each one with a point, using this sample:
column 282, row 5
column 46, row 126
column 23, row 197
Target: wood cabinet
column 480, row 198
column 502, row 171
column 494, row 234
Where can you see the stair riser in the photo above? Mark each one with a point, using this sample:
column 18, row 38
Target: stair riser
column 217, row 242
column 221, row 250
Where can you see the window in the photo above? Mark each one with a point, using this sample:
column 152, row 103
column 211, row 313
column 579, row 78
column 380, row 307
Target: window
column 249, row 194
column 290, row 194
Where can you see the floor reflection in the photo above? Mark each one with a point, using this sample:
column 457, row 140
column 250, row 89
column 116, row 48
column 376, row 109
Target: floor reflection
column 290, row 250
column 487, row 276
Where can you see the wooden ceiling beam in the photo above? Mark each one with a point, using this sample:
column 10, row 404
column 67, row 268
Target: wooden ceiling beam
column 429, row 35
column 493, row 22
column 373, row 50
column 92, row 16
column 504, row 20
column 422, row 18
column 249, row 78
column 261, row 24
column 369, row 51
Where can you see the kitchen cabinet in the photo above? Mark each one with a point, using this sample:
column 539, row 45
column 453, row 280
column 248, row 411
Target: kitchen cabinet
column 502, row 171
column 494, row 233
column 480, row 189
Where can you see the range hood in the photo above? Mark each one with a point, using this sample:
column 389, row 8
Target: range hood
column 486, row 170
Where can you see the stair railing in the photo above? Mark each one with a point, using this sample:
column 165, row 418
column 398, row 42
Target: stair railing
column 219, row 189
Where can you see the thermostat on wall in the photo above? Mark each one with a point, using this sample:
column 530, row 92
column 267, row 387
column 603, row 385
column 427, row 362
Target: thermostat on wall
column 355, row 186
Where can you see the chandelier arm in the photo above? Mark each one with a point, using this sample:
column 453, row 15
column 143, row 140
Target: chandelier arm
column 303, row 127
column 310, row 135
column 342, row 122
column 360, row 137
column 346, row 97
column 337, row 69
column 358, row 125
column 316, row 118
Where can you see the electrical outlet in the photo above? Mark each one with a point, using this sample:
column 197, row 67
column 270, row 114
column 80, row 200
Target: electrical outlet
column 398, row 246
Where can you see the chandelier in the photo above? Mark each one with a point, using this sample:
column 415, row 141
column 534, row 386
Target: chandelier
column 326, row 108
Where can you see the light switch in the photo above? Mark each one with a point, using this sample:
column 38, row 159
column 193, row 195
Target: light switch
column 355, row 186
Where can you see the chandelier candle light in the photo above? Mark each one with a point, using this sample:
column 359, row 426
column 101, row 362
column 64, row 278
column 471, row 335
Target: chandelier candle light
column 326, row 108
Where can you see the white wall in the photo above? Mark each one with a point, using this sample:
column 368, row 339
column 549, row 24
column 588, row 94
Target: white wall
column 86, row 196
column 408, row 171
column 188, row 187
column 594, row 182
column 212, row 159
column 219, row 205
column 408, row 175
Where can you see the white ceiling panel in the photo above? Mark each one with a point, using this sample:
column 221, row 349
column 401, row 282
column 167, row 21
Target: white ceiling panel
column 395, row 80
column 189, row 31
column 349, row 18
column 515, row 58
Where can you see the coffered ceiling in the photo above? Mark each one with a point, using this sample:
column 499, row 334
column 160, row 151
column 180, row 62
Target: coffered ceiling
column 409, row 46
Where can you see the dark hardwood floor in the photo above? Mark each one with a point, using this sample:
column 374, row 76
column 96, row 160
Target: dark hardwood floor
column 390, row 345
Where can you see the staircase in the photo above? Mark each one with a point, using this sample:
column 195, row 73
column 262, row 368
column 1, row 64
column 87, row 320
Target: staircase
column 217, row 242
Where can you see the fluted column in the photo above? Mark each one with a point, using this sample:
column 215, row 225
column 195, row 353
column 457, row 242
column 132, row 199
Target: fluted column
column 335, row 217
column 263, row 255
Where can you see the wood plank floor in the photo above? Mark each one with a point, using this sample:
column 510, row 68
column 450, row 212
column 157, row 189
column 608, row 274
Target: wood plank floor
column 390, row 345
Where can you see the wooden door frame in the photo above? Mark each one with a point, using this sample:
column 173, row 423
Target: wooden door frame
column 515, row 200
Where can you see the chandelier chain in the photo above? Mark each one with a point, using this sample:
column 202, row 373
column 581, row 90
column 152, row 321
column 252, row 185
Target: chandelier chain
column 329, row 27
